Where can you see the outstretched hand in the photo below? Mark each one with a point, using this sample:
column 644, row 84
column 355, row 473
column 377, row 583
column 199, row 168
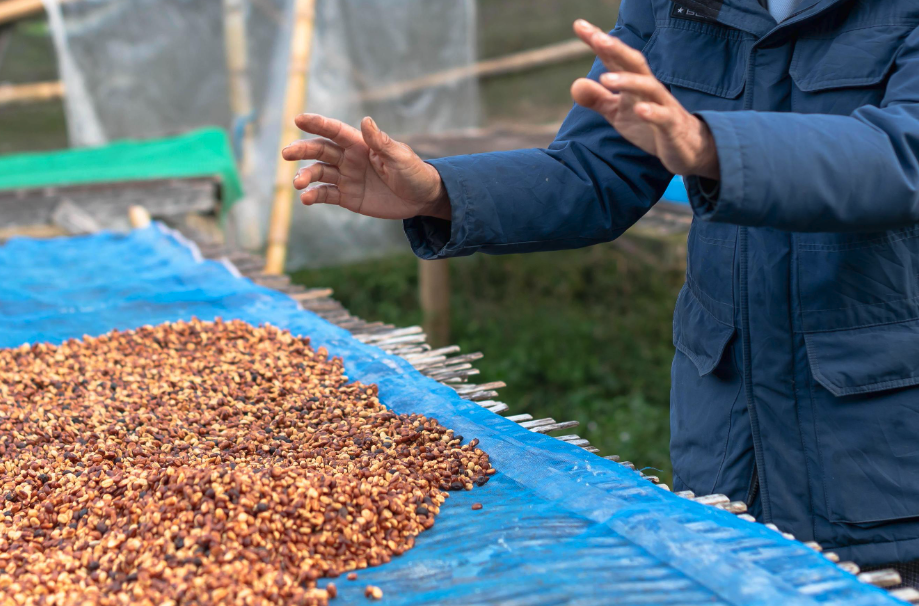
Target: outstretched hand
column 365, row 171
column 642, row 110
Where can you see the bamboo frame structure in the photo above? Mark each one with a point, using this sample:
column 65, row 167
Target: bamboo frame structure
column 294, row 102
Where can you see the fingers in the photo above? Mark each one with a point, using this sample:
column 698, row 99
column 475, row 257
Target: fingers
column 647, row 88
column 615, row 54
column 314, row 149
column 337, row 131
column 382, row 144
column 658, row 115
column 317, row 173
column 321, row 194
column 592, row 95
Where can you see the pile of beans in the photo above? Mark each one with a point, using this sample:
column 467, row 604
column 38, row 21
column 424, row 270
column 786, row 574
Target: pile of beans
column 206, row 463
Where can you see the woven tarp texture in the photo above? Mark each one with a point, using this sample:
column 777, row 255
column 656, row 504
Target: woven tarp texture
column 558, row 526
column 204, row 152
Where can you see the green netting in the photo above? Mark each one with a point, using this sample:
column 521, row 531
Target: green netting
column 204, row 152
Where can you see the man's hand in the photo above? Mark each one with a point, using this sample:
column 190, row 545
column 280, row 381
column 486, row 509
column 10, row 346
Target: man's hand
column 642, row 110
column 365, row 171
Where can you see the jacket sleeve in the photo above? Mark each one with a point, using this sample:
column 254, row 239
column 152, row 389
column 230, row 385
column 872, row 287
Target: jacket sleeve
column 589, row 186
column 821, row 173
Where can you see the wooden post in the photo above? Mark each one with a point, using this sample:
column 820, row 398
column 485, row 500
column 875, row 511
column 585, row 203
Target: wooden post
column 294, row 102
column 434, row 293
column 139, row 217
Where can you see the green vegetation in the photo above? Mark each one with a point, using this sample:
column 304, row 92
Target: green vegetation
column 582, row 335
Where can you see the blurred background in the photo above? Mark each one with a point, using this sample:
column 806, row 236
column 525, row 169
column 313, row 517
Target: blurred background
column 583, row 335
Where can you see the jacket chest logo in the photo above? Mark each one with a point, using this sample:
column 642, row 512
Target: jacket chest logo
column 696, row 10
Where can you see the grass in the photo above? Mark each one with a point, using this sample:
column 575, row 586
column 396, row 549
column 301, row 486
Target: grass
column 583, row 335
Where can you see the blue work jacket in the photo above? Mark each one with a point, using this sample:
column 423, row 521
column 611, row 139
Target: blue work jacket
column 794, row 384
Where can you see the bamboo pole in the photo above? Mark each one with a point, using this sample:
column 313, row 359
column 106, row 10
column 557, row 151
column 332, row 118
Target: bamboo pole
column 11, row 10
column 30, row 93
column 434, row 294
column 236, row 48
column 294, row 102
column 243, row 223
column 517, row 62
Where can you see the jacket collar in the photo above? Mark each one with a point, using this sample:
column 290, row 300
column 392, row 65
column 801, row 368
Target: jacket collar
column 752, row 17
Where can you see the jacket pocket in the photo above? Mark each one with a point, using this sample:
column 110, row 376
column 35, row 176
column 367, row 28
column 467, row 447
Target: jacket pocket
column 866, row 419
column 710, row 267
column 849, row 281
column 699, row 61
column 845, row 70
column 865, row 360
column 698, row 333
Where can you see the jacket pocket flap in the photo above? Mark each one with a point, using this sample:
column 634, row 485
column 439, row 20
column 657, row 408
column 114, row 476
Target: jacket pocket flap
column 698, row 334
column 865, row 360
column 704, row 57
column 859, row 57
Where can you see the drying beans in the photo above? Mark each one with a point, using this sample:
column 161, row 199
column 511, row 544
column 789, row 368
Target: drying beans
column 206, row 463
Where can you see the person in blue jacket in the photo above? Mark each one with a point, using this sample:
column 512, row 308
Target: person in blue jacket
column 795, row 123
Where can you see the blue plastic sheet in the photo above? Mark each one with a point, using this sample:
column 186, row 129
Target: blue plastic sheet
column 676, row 191
column 559, row 525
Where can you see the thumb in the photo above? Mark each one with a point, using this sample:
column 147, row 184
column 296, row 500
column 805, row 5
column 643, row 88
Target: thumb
column 380, row 142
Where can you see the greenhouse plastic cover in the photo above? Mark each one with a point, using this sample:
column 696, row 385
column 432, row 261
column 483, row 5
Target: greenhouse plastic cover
column 559, row 525
column 155, row 68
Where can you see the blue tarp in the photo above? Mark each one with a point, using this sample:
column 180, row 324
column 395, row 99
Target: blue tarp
column 559, row 525
column 676, row 191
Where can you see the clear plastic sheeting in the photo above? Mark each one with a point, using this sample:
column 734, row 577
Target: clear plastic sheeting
column 153, row 68
column 558, row 525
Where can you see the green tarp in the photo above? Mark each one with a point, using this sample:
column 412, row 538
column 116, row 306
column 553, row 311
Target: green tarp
column 201, row 153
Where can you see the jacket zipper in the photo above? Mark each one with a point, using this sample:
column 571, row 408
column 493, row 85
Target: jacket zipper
column 758, row 460
column 754, row 487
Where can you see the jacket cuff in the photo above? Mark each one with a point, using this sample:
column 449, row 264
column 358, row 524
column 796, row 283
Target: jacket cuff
column 433, row 238
column 722, row 200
